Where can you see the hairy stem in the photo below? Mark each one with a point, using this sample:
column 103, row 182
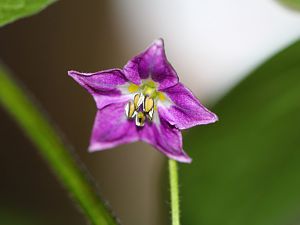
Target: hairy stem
column 174, row 189
column 49, row 144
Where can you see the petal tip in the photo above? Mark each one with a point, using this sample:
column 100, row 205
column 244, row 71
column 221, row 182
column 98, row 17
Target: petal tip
column 99, row 146
column 215, row 118
column 93, row 148
column 184, row 158
column 158, row 42
column 73, row 73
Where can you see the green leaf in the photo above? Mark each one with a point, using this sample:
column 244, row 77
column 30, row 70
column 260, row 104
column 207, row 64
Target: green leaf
column 56, row 154
column 246, row 167
column 11, row 10
column 293, row 4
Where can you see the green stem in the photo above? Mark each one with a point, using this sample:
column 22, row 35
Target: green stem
column 53, row 150
column 174, row 189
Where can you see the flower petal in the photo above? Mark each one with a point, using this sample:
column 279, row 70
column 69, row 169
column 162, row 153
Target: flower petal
column 185, row 110
column 166, row 138
column 104, row 86
column 152, row 62
column 112, row 128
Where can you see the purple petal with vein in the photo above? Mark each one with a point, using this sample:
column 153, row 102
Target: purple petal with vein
column 166, row 138
column 186, row 110
column 112, row 128
column 103, row 86
column 152, row 63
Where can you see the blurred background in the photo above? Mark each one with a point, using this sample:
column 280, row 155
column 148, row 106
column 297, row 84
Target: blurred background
column 211, row 44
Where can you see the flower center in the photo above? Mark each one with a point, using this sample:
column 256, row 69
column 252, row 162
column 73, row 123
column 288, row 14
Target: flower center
column 149, row 88
column 143, row 104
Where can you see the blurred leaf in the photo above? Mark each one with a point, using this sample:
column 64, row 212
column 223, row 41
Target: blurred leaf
column 49, row 144
column 11, row 10
column 294, row 4
column 246, row 167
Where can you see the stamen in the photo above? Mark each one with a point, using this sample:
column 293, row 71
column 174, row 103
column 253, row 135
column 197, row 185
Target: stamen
column 130, row 110
column 138, row 100
column 140, row 119
column 143, row 104
column 150, row 114
column 148, row 104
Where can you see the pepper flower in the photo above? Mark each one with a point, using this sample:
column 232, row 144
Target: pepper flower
column 144, row 101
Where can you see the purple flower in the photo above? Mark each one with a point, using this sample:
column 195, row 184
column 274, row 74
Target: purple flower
column 144, row 101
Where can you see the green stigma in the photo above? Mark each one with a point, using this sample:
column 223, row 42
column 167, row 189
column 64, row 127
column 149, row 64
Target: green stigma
column 149, row 88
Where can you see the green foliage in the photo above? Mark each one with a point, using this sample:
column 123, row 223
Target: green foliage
column 11, row 10
column 51, row 147
column 293, row 4
column 246, row 167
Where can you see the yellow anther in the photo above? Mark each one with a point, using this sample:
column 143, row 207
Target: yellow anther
column 140, row 119
column 138, row 100
column 130, row 110
column 148, row 104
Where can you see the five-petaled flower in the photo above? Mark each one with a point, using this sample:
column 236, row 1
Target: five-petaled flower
column 144, row 101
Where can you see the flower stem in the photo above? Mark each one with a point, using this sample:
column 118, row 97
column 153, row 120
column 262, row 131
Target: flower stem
column 54, row 151
column 174, row 189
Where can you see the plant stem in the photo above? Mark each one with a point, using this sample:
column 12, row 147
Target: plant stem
column 174, row 189
column 49, row 144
